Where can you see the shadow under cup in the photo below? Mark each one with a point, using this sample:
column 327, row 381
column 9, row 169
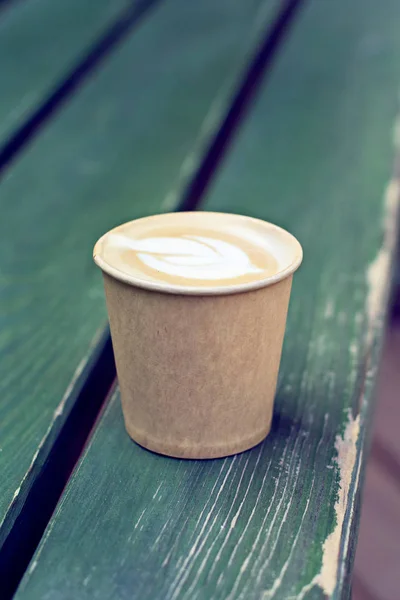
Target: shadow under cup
column 197, row 369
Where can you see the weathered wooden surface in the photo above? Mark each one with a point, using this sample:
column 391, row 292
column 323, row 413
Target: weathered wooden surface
column 112, row 154
column 40, row 41
column 280, row 521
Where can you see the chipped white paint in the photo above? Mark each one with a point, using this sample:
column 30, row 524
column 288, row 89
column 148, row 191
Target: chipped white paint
column 140, row 518
column 346, row 448
column 21, row 486
column 239, row 510
column 157, row 490
column 78, row 372
column 353, row 349
column 154, row 546
column 255, row 552
column 168, row 521
column 278, row 580
column 344, row 463
column 16, row 493
column 356, row 475
column 264, row 567
column 232, row 524
column 204, row 562
column 32, row 567
column 200, row 541
column 329, row 308
column 250, row 519
column 175, row 545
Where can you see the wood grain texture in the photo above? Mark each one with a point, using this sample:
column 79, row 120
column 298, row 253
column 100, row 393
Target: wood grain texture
column 40, row 41
column 281, row 520
column 134, row 131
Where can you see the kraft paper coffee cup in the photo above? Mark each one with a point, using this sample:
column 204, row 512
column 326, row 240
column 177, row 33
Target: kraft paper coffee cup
column 197, row 304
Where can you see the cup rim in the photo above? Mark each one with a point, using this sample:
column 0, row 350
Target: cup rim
column 211, row 290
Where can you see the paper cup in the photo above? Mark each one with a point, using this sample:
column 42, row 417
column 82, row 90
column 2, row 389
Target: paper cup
column 198, row 366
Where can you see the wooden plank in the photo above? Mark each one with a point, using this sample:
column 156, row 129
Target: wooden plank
column 134, row 131
column 41, row 41
column 279, row 521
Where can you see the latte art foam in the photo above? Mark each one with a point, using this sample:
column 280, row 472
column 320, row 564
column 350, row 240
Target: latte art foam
column 190, row 256
column 194, row 252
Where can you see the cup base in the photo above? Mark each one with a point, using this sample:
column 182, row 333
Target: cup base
column 197, row 451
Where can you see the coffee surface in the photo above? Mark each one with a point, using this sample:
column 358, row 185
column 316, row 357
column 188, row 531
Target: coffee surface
column 191, row 250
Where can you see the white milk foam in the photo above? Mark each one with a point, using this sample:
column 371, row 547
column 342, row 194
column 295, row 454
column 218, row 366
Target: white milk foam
column 189, row 256
column 198, row 253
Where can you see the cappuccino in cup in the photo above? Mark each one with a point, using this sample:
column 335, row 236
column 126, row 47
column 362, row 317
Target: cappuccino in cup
column 197, row 304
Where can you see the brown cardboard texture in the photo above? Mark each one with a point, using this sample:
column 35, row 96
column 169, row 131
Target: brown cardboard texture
column 197, row 373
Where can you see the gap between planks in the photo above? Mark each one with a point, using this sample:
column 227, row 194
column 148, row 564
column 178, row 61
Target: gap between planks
column 107, row 43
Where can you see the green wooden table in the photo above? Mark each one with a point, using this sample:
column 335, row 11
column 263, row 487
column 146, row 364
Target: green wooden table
column 145, row 129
